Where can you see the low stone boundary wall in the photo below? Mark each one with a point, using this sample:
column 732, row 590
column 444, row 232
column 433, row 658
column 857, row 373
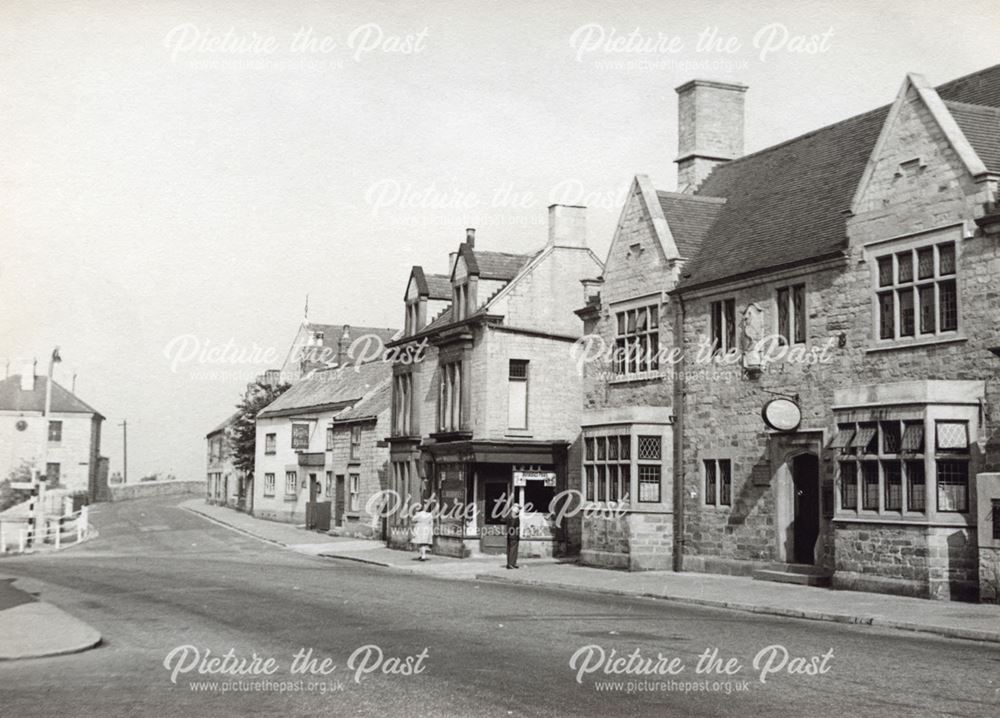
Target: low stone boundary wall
column 146, row 489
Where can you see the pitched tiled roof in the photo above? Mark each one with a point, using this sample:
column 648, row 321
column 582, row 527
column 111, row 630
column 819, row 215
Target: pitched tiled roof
column 500, row 265
column 13, row 399
column 438, row 286
column 223, row 425
column 374, row 403
column 439, row 321
column 333, row 332
column 981, row 127
column 328, row 387
column 785, row 204
column 689, row 217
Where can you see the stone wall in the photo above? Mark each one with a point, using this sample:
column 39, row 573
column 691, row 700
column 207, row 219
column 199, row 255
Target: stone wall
column 148, row 489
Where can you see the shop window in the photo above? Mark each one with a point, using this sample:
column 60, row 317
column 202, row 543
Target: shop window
column 539, row 496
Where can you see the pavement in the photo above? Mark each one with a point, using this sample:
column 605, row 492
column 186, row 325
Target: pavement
column 980, row 622
column 169, row 589
column 30, row 628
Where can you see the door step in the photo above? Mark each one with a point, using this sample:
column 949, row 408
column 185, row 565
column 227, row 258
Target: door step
column 799, row 574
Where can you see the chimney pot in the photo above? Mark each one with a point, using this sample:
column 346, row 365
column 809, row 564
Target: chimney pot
column 470, row 236
column 710, row 119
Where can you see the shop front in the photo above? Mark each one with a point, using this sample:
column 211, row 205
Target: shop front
column 477, row 482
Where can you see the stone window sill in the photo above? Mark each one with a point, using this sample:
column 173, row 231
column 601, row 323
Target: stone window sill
column 641, row 376
column 893, row 345
column 952, row 520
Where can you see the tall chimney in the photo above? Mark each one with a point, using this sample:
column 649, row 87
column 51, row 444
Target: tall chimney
column 567, row 225
column 709, row 129
column 342, row 344
column 470, row 237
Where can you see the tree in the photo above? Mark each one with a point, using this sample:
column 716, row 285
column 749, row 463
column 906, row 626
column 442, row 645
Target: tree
column 11, row 497
column 242, row 433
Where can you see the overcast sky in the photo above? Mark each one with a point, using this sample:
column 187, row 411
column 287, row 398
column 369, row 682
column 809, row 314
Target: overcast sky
column 183, row 174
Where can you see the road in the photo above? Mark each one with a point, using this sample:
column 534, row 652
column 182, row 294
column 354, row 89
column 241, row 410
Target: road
column 159, row 578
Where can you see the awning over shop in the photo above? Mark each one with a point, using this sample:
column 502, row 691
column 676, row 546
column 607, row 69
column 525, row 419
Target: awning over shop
column 500, row 452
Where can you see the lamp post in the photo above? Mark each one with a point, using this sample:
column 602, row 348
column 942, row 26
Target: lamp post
column 38, row 519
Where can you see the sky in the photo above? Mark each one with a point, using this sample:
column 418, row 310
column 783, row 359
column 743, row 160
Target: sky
column 178, row 176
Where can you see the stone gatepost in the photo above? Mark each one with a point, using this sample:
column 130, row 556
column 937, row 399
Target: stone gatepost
column 988, row 502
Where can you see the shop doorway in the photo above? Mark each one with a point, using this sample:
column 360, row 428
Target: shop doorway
column 805, row 527
column 493, row 537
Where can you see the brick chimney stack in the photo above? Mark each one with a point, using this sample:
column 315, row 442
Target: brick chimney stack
column 710, row 120
column 470, row 237
column 342, row 343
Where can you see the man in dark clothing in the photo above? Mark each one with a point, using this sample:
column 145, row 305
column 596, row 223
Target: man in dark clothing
column 513, row 534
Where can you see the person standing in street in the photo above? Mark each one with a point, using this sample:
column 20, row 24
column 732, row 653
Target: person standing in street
column 513, row 534
column 423, row 532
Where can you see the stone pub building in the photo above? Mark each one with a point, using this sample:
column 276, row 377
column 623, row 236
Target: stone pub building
column 833, row 412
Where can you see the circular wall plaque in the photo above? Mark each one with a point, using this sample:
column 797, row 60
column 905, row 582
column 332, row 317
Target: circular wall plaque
column 782, row 414
column 21, row 425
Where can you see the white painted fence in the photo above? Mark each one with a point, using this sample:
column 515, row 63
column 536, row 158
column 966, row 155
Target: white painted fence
column 54, row 533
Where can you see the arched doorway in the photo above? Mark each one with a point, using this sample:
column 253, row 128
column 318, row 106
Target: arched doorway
column 806, row 508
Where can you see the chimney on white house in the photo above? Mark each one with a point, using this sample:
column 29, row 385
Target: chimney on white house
column 470, row 237
column 28, row 376
column 710, row 120
column 567, row 225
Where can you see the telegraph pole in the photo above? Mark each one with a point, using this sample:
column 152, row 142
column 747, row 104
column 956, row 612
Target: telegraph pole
column 124, row 426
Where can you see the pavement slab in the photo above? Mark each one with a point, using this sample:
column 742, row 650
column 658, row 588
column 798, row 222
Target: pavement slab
column 30, row 628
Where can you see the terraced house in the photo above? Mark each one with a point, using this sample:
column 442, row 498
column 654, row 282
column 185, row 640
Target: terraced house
column 832, row 304
column 486, row 400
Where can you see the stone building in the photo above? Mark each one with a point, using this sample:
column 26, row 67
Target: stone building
column 225, row 486
column 486, row 400
column 320, row 346
column 841, row 281
column 320, row 454
column 65, row 446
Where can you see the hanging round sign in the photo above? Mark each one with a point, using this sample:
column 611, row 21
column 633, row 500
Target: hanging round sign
column 782, row 414
column 21, row 425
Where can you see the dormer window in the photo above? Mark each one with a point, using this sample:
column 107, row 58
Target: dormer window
column 412, row 324
column 462, row 301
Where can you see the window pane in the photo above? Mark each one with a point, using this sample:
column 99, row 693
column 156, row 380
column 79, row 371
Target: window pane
column 588, row 473
column 654, row 317
column 649, row 484
column 600, row 484
column 907, row 324
column 927, row 310
column 925, row 263
column 916, row 492
column 783, row 314
column 710, row 481
column 601, row 448
column 619, row 357
column 948, row 297
column 953, row 485
column 621, row 323
column 641, row 318
column 624, row 477
column 848, row 485
column 893, row 485
column 730, row 323
column 946, row 258
column 886, row 318
column 625, row 447
column 631, row 321
column 799, row 303
column 642, row 353
column 649, row 447
column 904, row 264
column 654, row 350
column 885, row 271
column 588, row 445
column 725, row 482
column 869, row 487
column 891, row 438
column 613, row 448
column 613, row 482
